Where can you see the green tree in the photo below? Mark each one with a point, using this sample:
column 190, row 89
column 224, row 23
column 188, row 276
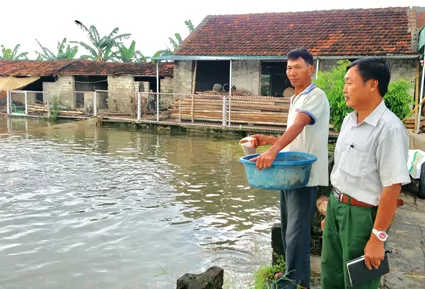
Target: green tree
column 101, row 47
column 398, row 99
column 129, row 54
column 9, row 54
column 332, row 83
column 65, row 51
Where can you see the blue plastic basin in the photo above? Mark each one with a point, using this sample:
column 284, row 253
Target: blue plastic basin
column 290, row 170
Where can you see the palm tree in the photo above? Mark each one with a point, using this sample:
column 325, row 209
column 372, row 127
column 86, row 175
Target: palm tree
column 129, row 54
column 8, row 54
column 174, row 43
column 101, row 48
column 69, row 53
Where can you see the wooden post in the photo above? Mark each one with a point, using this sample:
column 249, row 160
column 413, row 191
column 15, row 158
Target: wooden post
column 417, row 80
column 193, row 90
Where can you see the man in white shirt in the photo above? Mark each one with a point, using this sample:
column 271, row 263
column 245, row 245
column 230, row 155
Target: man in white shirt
column 307, row 131
column 370, row 167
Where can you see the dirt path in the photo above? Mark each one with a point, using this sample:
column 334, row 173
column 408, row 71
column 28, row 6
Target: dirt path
column 407, row 239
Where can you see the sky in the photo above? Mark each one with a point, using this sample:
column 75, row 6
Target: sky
column 150, row 23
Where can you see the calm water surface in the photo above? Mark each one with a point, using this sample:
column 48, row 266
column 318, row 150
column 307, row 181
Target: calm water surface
column 87, row 207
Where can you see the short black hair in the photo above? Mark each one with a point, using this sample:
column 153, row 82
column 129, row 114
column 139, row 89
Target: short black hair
column 301, row 52
column 374, row 68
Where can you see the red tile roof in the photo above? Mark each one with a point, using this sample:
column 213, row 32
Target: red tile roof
column 36, row 68
column 81, row 67
column 383, row 31
column 87, row 67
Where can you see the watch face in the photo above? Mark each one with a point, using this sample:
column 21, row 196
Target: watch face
column 382, row 235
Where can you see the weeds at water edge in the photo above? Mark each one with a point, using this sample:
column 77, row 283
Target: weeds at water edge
column 264, row 276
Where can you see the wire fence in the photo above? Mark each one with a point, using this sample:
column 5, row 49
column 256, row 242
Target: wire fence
column 217, row 109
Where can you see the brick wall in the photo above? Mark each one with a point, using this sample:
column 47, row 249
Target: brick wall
column 326, row 64
column 121, row 90
column 403, row 68
column 416, row 18
column 420, row 16
column 183, row 74
column 167, row 86
column 62, row 88
column 420, row 19
column 246, row 75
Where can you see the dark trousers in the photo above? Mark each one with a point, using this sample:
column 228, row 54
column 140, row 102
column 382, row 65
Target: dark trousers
column 297, row 209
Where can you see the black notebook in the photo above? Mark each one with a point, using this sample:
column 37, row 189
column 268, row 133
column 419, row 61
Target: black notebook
column 359, row 274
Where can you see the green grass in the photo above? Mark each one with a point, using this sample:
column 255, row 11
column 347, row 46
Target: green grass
column 264, row 275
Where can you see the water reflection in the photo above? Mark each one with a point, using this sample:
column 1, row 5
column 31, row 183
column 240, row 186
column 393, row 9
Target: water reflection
column 113, row 208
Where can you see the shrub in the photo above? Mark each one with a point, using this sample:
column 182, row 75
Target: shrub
column 332, row 83
column 398, row 98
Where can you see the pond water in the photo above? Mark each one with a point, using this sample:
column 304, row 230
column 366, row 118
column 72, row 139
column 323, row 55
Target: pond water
column 90, row 207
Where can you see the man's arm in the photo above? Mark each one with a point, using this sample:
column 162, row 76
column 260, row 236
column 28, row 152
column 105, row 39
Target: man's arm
column 262, row 140
column 292, row 132
column 310, row 111
column 392, row 157
column 387, row 208
column 266, row 159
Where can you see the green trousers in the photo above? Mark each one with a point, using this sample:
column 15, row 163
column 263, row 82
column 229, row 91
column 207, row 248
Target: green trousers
column 347, row 231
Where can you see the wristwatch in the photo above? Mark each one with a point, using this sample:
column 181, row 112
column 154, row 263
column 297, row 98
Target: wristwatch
column 382, row 236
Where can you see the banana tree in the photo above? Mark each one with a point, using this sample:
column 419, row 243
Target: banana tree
column 189, row 25
column 174, row 43
column 9, row 54
column 164, row 52
column 129, row 54
column 68, row 53
column 101, row 47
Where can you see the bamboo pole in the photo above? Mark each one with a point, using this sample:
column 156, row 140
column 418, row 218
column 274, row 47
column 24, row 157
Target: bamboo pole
column 417, row 92
column 193, row 86
column 414, row 110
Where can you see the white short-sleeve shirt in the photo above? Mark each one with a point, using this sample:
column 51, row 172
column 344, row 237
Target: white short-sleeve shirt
column 314, row 137
column 371, row 155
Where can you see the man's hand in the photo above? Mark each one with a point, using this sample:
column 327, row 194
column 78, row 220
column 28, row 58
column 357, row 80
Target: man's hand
column 265, row 160
column 259, row 140
column 374, row 252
